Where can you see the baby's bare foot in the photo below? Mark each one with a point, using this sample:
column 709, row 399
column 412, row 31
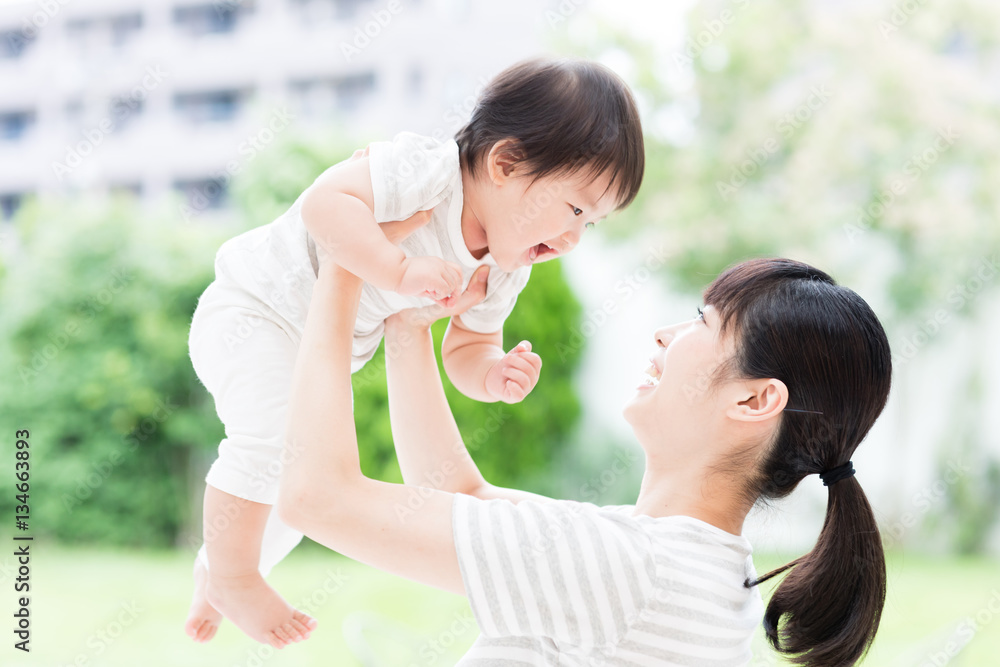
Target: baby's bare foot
column 203, row 619
column 258, row 610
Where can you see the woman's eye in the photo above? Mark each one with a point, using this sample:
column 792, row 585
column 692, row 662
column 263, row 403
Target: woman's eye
column 701, row 314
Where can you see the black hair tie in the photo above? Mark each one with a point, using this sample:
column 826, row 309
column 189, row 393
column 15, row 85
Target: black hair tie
column 834, row 475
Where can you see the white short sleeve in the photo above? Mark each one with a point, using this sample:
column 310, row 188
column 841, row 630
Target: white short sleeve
column 502, row 289
column 563, row 570
column 411, row 173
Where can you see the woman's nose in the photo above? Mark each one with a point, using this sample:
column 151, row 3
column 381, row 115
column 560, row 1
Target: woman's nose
column 663, row 337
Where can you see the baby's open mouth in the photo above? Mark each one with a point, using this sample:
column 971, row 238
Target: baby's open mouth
column 540, row 250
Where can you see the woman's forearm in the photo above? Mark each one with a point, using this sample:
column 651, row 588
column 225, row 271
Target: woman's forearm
column 323, row 492
column 321, row 443
column 428, row 443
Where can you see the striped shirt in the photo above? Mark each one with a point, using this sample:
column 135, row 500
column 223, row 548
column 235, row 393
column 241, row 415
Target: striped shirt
column 567, row 583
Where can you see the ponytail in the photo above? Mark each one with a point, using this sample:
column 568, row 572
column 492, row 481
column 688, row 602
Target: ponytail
column 792, row 322
column 826, row 611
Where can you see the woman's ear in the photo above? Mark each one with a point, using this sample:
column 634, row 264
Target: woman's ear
column 502, row 159
column 759, row 400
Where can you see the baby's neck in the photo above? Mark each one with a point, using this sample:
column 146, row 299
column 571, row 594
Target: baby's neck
column 473, row 232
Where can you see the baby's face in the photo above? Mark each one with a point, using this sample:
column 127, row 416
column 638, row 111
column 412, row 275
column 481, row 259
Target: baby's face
column 527, row 223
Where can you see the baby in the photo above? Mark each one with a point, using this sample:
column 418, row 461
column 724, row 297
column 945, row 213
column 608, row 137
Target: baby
column 551, row 149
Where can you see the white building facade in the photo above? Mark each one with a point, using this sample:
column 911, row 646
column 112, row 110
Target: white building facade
column 151, row 97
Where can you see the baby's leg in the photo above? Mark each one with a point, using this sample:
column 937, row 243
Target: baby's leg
column 246, row 362
column 235, row 586
column 278, row 541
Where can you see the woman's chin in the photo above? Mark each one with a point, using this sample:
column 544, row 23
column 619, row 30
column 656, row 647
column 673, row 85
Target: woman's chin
column 632, row 407
column 642, row 408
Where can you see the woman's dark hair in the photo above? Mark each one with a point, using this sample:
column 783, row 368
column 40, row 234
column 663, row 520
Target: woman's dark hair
column 792, row 322
column 565, row 115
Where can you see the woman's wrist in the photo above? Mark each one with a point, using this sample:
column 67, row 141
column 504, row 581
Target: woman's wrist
column 405, row 323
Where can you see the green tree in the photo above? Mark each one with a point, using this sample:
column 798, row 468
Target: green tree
column 856, row 137
column 96, row 305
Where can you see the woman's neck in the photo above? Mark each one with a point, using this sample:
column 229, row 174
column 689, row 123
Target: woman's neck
column 690, row 488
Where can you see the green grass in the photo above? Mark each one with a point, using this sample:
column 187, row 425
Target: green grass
column 108, row 609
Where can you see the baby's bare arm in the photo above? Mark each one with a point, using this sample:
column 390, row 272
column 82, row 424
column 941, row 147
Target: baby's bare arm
column 468, row 357
column 477, row 366
column 338, row 213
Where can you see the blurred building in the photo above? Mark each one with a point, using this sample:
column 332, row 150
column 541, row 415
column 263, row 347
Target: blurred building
column 154, row 96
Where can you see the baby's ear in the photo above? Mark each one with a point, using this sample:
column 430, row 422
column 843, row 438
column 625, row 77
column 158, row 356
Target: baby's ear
column 503, row 159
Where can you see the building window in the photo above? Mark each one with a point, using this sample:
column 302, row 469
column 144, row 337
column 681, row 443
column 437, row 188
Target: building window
column 104, row 33
column 124, row 110
column 312, row 11
column 125, row 28
column 322, row 97
column 13, row 43
column 15, row 124
column 415, row 82
column 74, row 111
column 209, row 107
column 9, row 204
column 352, row 90
column 215, row 18
column 125, row 190
column 204, row 194
column 83, row 34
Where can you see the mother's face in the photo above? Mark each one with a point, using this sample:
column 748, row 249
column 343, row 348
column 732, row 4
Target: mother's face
column 678, row 393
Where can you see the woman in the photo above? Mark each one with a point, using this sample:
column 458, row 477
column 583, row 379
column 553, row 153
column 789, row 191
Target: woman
column 780, row 377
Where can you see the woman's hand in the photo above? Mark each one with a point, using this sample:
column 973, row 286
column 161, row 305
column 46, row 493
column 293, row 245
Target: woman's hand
column 423, row 318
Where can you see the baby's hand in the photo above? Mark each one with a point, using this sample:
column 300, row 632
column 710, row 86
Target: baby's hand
column 431, row 277
column 514, row 376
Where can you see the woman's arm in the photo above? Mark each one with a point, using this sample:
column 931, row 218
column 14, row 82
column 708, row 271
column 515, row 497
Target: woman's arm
column 396, row 528
column 429, row 446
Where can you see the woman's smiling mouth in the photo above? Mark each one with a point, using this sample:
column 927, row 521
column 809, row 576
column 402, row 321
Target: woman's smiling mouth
column 652, row 377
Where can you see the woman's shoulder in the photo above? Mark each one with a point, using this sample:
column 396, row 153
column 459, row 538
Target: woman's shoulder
column 678, row 535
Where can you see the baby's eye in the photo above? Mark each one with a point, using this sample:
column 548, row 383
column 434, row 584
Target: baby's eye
column 576, row 211
column 589, row 225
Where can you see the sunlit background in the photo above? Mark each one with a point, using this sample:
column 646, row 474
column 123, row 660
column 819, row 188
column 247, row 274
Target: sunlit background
column 137, row 135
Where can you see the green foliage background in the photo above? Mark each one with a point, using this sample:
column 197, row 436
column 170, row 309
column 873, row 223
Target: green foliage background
column 96, row 306
column 781, row 128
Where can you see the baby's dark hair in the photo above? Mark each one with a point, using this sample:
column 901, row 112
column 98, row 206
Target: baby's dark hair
column 565, row 115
